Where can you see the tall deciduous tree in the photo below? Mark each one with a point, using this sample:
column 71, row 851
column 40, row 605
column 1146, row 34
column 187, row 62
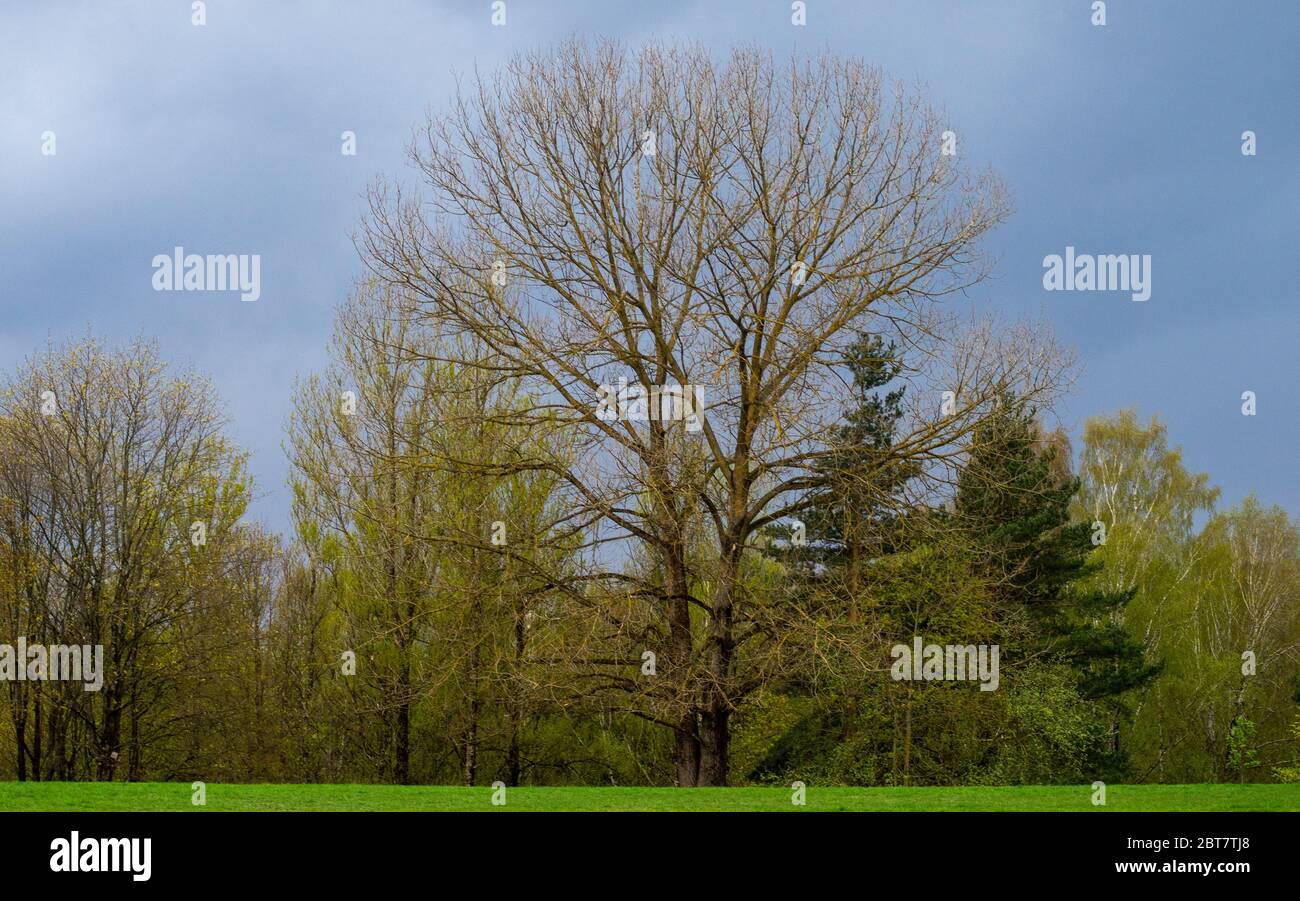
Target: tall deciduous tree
column 117, row 491
column 1136, row 492
column 670, row 219
column 408, row 501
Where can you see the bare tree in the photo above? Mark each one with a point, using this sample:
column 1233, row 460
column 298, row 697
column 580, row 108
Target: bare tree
column 590, row 215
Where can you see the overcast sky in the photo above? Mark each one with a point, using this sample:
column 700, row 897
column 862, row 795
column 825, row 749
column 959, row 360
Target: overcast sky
column 225, row 138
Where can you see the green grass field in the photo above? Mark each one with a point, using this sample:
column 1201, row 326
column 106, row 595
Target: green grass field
column 160, row 796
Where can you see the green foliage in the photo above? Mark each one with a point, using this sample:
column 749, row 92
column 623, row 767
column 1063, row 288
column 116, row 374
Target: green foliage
column 1158, row 651
column 1205, row 600
column 1014, row 497
column 1048, row 732
column 1242, row 755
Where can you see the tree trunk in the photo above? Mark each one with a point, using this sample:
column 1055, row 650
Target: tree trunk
column 515, row 703
column 110, row 740
column 715, row 746
column 20, row 737
column 907, row 740
column 469, row 769
column 36, row 734
column 686, row 749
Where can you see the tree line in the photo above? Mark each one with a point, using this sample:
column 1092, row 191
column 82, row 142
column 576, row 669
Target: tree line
column 486, row 579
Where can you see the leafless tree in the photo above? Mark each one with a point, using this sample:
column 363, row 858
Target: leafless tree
column 589, row 215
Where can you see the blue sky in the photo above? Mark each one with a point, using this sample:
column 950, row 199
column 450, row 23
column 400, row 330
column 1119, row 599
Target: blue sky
column 225, row 139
